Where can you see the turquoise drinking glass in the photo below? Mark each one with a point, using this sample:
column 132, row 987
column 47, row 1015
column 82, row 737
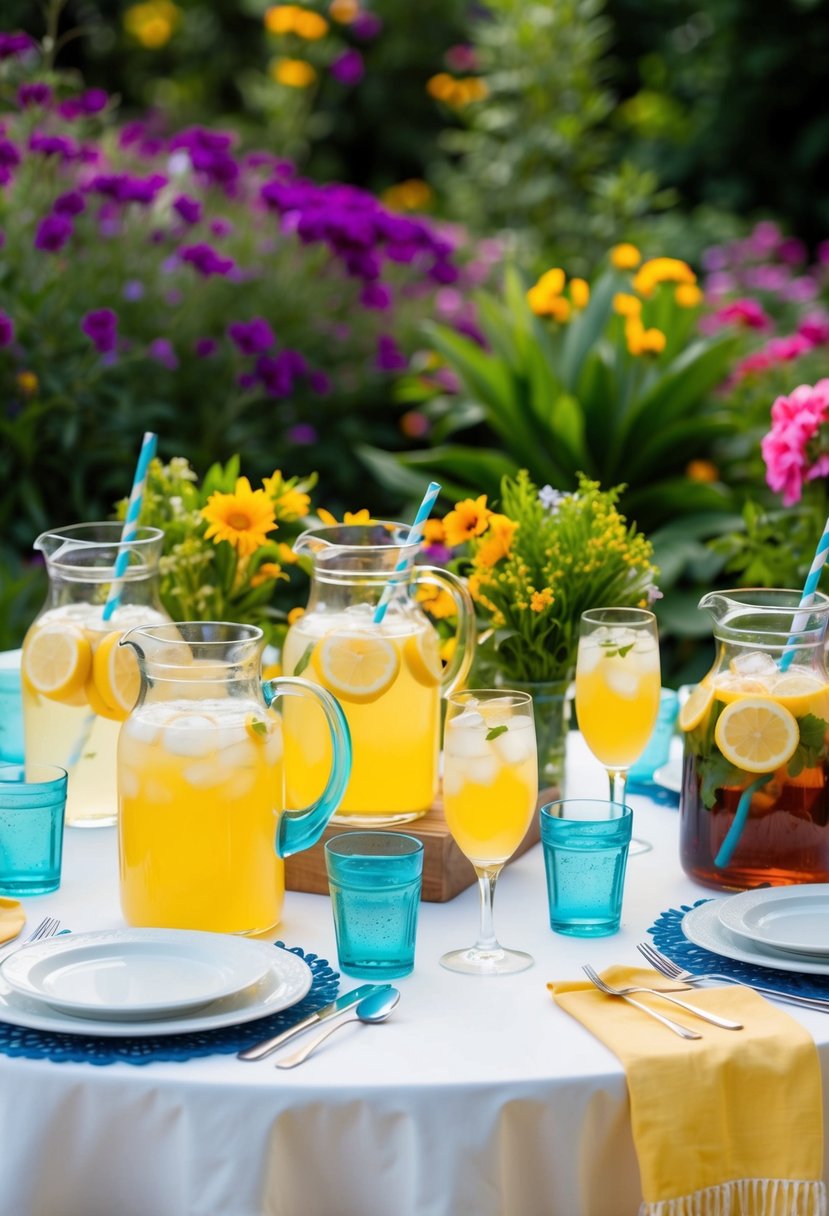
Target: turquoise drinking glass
column 32, row 808
column 586, row 843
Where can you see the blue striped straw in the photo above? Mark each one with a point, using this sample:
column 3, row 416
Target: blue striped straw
column 808, row 596
column 148, row 446
column 414, row 538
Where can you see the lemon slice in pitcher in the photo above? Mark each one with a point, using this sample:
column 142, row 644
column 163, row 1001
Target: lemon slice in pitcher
column 57, row 660
column 116, row 674
column 356, row 666
column 696, row 707
column 422, row 654
column 757, row 735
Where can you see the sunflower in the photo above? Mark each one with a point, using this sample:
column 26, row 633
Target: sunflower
column 242, row 518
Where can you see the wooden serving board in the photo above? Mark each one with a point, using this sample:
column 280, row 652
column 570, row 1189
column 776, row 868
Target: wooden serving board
column 446, row 872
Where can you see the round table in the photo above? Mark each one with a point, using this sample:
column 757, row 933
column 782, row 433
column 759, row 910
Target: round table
column 478, row 1096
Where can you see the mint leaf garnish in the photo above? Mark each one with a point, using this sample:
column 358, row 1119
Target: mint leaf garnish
column 259, row 727
column 812, row 747
column 495, row 732
column 304, row 659
column 611, row 651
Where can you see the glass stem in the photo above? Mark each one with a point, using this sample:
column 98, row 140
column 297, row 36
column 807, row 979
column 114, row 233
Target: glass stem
column 487, row 877
column 618, row 783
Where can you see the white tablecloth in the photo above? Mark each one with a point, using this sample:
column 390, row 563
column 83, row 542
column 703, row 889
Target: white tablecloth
column 479, row 1097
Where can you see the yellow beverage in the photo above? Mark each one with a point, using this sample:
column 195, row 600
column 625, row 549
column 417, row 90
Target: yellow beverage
column 75, row 726
column 391, row 698
column 490, row 785
column 617, row 693
column 200, row 794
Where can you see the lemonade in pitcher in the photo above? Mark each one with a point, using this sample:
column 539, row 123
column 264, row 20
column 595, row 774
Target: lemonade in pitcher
column 755, row 788
column 78, row 685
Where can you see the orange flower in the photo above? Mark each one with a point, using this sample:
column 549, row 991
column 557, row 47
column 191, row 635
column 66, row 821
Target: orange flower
column 362, row 516
column 662, row 270
column 702, row 470
column 496, row 542
column 539, row 600
column 268, row 572
column 626, row 305
column 469, row 518
column 293, row 73
column 579, row 293
column 625, row 257
column 434, row 532
column 688, row 295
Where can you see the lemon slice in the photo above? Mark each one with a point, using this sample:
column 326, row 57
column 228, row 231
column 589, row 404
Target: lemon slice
column 57, row 660
column 696, row 707
column 99, row 706
column 422, row 654
column 757, row 735
column 355, row 666
column 115, row 674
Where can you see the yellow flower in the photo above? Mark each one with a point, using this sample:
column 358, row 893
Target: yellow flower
column 295, row 614
column 344, row 11
column 496, row 541
column 579, row 293
column 434, row 532
column 362, row 516
column 545, row 301
column 280, row 18
column 153, row 23
column 552, row 281
column 447, row 649
column 410, row 195
column 437, row 602
column 286, row 554
column 469, row 518
column 28, row 383
column 441, row 87
column 662, row 270
column 268, row 572
column 242, row 518
column 539, row 600
column 310, row 26
column 468, row 89
column 294, row 73
column 653, row 342
column 626, row 305
column 688, row 295
column 641, row 341
column 625, row 257
column 702, row 470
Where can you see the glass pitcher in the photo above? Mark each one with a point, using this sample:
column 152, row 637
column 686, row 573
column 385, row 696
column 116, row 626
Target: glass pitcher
column 77, row 687
column 202, row 828
column 754, row 807
column 386, row 673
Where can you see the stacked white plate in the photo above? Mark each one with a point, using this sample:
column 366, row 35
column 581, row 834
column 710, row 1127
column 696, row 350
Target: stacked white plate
column 782, row 927
column 147, row 982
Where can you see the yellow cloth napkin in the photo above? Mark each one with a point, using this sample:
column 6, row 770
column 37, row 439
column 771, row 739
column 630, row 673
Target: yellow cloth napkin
column 727, row 1125
column 12, row 918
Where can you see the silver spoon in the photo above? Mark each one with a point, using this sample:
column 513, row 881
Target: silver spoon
column 374, row 1008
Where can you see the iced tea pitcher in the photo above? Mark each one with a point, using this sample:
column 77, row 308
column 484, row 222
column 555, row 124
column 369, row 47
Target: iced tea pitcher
column 202, row 822
column 78, row 687
column 387, row 674
column 755, row 798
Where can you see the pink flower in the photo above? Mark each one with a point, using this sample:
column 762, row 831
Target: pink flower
column 788, row 449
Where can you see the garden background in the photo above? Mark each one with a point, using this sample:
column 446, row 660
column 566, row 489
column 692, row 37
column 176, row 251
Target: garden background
column 382, row 242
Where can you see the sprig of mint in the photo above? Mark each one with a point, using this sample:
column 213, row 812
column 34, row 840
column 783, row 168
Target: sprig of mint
column 812, row 746
column 495, row 732
column 259, row 727
column 304, row 659
column 621, row 651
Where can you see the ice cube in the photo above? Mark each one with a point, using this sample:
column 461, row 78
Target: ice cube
column 467, row 735
column 590, row 655
column 240, row 784
column 190, row 735
column 514, row 746
column 622, row 680
column 452, row 780
column 469, row 719
column 203, row 776
column 156, row 792
column 141, row 730
column 480, row 770
column 129, row 783
column 753, row 663
column 274, row 747
column 238, row 755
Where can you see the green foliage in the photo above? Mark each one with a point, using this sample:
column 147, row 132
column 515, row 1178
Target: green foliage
column 572, row 398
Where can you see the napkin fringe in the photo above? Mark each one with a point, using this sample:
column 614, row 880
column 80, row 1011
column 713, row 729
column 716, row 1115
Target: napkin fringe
column 746, row 1197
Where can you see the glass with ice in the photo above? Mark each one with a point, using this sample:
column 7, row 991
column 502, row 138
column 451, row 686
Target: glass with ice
column 490, row 790
column 202, row 828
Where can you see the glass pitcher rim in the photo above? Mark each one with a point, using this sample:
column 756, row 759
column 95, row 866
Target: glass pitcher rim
column 145, row 535
column 392, row 527
column 742, row 597
column 247, row 633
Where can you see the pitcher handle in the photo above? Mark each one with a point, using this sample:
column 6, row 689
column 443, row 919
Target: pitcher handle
column 299, row 829
column 466, row 634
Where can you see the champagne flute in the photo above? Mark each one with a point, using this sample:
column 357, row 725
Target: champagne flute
column 490, row 790
column 618, row 685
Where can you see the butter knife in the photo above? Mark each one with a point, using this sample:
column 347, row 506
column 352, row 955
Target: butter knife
column 260, row 1050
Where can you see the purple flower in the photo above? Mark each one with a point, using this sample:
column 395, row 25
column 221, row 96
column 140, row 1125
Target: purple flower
column 6, row 329
column 54, row 145
column 462, row 58
column 252, row 337
column 93, row 101
column 376, row 296
column 9, row 154
column 15, row 44
column 366, row 26
column 71, row 203
column 52, row 233
column 37, row 93
column 210, row 156
column 125, row 188
column 133, row 290
column 319, row 383
column 206, row 260
column 205, row 347
column 246, row 380
column 101, row 327
column 348, row 68
column 221, row 227
column 161, row 349
column 390, row 358
column 277, row 375
column 189, row 209
column 302, row 434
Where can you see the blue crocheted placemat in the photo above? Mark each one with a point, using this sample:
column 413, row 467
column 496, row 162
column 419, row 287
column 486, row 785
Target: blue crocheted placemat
column 50, row 1045
column 668, row 937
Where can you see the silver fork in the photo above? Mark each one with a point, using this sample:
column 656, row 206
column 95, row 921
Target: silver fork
column 48, row 927
column 598, row 982
column 670, row 969
column 713, row 1018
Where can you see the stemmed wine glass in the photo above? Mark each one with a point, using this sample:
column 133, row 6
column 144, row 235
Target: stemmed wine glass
column 490, row 790
column 618, row 685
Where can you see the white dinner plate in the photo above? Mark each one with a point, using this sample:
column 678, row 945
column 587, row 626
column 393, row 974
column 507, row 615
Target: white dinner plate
column 794, row 919
column 286, row 981
column 703, row 927
column 132, row 974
